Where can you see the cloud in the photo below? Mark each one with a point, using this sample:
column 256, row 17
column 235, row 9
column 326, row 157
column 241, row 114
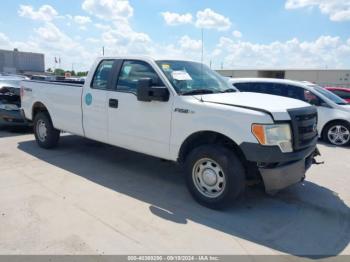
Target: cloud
column 44, row 13
column 237, row 34
column 51, row 41
column 119, row 37
column 4, row 40
column 210, row 20
column 93, row 40
column 176, row 19
column 187, row 43
column 50, row 33
column 326, row 50
column 337, row 10
column 109, row 9
column 82, row 20
column 102, row 27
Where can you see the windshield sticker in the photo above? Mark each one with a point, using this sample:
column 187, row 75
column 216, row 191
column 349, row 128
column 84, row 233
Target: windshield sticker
column 181, row 76
column 166, row 67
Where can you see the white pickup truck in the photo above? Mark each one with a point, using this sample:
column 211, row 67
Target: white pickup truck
column 184, row 112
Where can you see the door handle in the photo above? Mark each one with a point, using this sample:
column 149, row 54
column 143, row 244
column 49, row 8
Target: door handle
column 113, row 103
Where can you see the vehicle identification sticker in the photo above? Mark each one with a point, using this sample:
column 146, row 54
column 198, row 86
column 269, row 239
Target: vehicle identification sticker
column 181, row 76
column 88, row 99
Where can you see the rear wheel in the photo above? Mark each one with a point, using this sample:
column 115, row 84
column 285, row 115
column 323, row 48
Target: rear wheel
column 337, row 133
column 215, row 176
column 45, row 134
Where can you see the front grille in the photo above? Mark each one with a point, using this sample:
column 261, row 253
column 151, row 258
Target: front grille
column 304, row 126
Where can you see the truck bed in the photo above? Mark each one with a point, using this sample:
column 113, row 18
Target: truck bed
column 62, row 99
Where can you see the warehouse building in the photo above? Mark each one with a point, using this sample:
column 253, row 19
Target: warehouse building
column 16, row 62
column 323, row 77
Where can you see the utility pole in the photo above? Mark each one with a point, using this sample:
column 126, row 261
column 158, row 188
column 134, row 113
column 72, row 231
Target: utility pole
column 202, row 57
column 103, row 51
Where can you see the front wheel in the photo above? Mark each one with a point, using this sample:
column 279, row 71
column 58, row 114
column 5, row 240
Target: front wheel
column 337, row 133
column 215, row 176
column 45, row 134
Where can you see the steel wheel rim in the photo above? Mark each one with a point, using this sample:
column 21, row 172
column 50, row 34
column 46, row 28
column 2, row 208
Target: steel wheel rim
column 209, row 178
column 339, row 135
column 41, row 130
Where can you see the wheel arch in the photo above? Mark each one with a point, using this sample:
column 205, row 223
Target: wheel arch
column 204, row 138
column 39, row 107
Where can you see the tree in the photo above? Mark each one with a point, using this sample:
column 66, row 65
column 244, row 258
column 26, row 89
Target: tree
column 59, row 72
column 81, row 74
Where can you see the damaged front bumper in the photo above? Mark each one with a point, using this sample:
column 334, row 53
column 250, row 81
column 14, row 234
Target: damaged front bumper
column 280, row 170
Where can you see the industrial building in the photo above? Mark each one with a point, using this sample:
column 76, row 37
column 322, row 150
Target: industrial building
column 322, row 77
column 16, row 62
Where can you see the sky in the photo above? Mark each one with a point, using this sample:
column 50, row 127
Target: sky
column 236, row 34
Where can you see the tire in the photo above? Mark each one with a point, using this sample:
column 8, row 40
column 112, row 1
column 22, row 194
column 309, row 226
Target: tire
column 211, row 168
column 45, row 134
column 337, row 133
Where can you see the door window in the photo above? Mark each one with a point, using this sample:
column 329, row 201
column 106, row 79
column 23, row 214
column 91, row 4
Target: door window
column 102, row 74
column 132, row 72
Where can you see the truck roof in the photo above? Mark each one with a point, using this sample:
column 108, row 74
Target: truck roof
column 145, row 57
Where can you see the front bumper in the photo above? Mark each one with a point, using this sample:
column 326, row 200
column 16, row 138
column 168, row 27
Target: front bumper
column 12, row 118
column 280, row 170
column 284, row 175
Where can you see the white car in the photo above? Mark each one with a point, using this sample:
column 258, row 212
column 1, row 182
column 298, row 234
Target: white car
column 333, row 112
column 184, row 112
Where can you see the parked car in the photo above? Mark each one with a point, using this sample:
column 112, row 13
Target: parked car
column 10, row 102
column 341, row 92
column 184, row 112
column 333, row 112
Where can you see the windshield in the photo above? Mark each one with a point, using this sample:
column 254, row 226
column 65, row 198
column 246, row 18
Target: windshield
column 10, row 83
column 189, row 78
column 331, row 96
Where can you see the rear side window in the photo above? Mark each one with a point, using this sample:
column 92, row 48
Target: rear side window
column 272, row 89
column 102, row 74
column 132, row 72
column 263, row 88
column 295, row 92
column 243, row 87
column 342, row 94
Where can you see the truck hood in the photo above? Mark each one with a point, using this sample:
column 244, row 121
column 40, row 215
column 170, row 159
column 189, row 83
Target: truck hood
column 276, row 106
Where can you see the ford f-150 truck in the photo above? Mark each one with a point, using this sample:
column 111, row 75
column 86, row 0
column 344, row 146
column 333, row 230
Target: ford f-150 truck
column 184, row 112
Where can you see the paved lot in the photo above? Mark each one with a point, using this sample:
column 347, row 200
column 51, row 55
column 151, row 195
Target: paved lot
column 89, row 198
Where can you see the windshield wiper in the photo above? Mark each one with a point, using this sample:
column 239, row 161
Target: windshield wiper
column 230, row 90
column 198, row 92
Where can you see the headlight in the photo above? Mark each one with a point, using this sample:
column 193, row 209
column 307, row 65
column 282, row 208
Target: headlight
column 8, row 107
column 274, row 135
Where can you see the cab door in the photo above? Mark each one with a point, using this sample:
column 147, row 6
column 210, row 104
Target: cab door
column 139, row 126
column 95, row 103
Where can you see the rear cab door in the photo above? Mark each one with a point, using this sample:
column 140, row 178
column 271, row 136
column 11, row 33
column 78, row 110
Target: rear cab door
column 94, row 101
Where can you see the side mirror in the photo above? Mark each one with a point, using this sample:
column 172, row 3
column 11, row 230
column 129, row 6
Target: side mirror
column 146, row 92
